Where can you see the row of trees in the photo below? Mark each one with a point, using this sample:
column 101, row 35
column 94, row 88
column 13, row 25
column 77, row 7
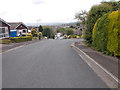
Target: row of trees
column 45, row 31
column 88, row 19
column 67, row 31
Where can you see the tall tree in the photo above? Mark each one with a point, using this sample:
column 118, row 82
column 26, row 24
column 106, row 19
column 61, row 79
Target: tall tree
column 40, row 28
column 96, row 12
column 81, row 16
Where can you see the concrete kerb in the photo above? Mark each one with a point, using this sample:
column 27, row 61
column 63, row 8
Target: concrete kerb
column 17, row 47
column 111, row 80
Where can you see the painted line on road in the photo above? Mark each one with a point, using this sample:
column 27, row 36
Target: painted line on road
column 114, row 77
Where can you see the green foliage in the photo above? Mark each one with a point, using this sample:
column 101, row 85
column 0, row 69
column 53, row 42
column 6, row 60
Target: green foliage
column 40, row 28
column 100, row 34
column 29, row 34
column 70, row 31
column 94, row 14
column 61, row 30
column 72, row 26
column 40, row 33
column 106, row 34
column 34, row 37
column 114, row 33
column 48, row 32
column 73, row 36
column 81, row 16
column 114, row 4
column 5, row 41
column 34, row 32
column 20, row 39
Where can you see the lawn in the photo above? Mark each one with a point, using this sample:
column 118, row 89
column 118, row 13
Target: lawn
column 5, row 41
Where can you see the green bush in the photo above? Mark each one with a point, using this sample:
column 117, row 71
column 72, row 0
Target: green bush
column 100, row 34
column 113, row 44
column 94, row 14
column 106, row 34
column 20, row 39
column 29, row 34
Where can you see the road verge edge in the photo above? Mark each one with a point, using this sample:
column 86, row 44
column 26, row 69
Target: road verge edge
column 110, row 80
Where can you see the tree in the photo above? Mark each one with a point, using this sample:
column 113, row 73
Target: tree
column 70, row 31
column 94, row 14
column 40, row 28
column 61, row 30
column 81, row 16
column 114, row 4
column 48, row 32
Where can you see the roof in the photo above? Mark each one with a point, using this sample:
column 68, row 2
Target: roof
column 14, row 25
column 4, row 22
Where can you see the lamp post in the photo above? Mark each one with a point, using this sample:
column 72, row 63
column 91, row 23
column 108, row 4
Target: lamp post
column 38, row 25
column 38, row 28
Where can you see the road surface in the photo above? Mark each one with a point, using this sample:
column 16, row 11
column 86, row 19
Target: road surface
column 47, row 64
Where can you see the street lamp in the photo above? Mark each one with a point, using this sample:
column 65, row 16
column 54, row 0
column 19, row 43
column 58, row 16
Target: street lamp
column 38, row 25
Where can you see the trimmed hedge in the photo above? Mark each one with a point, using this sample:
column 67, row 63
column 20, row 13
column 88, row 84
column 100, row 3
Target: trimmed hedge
column 114, row 33
column 20, row 39
column 106, row 34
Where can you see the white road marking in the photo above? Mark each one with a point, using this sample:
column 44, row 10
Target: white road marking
column 114, row 77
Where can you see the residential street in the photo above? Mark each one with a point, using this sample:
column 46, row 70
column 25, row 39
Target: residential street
column 47, row 64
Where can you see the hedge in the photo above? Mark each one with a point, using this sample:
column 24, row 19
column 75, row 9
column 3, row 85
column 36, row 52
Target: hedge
column 20, row 39
column 94, row 14
column 106, row 34
column 113, row 44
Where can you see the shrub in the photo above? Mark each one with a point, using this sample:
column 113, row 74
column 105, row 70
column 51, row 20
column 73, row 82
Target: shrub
column 94, row 14
column 20, row 39
column 29, row 34
column 34, row 32
column 114, row 33
column 100, row 34
column 106, row 34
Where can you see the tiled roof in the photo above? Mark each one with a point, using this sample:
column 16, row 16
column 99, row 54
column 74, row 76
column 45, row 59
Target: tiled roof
column 14, row 24
column 4, row 22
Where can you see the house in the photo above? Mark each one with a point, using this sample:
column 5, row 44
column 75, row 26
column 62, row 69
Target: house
column 4, row 29
column 19, row 27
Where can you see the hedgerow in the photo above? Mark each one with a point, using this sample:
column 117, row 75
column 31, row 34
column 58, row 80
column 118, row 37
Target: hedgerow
column 20, row 39
column 106, row 34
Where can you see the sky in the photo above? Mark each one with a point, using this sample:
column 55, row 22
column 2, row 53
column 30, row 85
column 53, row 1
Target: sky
column 43, row 11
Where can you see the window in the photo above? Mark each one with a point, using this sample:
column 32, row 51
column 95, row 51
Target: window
column 4, row 32
column 24, row 31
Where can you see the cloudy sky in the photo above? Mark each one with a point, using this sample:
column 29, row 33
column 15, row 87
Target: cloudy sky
column 46, row 11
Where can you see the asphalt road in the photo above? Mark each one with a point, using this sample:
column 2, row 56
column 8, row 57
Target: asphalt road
column 47, row 64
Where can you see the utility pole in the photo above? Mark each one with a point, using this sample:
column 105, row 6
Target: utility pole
column 38, row 25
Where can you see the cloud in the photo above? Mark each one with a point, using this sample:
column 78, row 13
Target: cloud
column 37, row 2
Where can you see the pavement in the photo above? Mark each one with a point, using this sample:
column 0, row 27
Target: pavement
column 6, row 47
column 109, row 64
column 48, row 64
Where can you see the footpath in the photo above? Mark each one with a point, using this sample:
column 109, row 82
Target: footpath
column 6, row 47
column 109, row 66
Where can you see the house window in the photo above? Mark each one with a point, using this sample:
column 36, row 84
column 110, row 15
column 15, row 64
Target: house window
column 4, row 32
column 24, row 31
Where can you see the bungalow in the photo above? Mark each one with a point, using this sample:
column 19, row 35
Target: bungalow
column 19, row 27
column 4, row 29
